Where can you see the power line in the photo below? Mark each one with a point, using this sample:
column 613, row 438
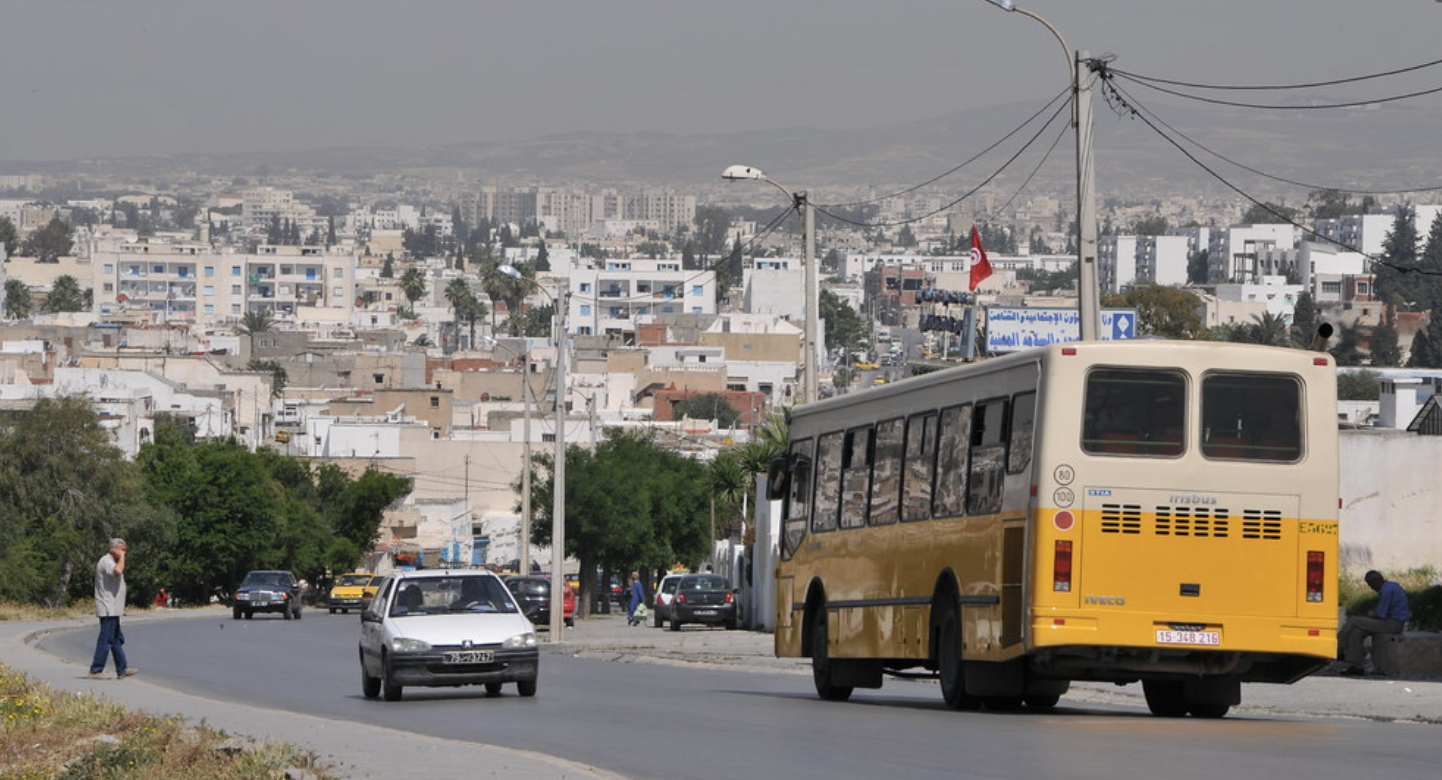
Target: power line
column 1275, row 106
column 969, row 161
column 965, row 195
column 1261, row 87
column 1127, row 104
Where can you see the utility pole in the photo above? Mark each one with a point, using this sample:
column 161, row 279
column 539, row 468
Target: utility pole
column 1088, row 290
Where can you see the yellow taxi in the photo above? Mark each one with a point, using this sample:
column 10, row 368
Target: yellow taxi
column 353, row 591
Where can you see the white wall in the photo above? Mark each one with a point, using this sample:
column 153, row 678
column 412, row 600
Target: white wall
column 1391, row 500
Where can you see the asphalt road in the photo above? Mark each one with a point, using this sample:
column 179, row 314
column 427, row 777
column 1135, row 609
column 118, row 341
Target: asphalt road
column 715, row 722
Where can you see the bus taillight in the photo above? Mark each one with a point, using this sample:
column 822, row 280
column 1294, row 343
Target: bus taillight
column 1061, row 568
column 1316, row 561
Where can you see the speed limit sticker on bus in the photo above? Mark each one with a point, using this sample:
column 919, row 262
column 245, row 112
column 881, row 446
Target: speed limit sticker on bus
column 1165, row 637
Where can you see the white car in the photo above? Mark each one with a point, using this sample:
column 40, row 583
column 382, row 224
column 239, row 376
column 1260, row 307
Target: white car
column 665, row 592
column 446, row 628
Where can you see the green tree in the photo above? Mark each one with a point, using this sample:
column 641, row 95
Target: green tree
column 730, row 488
column 9, row 237
column 843, row 325
column 64, row 490
column 711, row 225
column 1169, row 312
column 1304, row 319
column 1384, row 343
column 278, row 376
column 1427, row 346
column 1362, row 385
column 905, row 238
column 65, row 295
column 413, row 285
column 661, row 518
column 18, row 303
column 1269, row 214
column 1396, row 272
column 49, row 243
column 388, row 268
column 1429, row 286
column 1348, row 351
column 543, row 259
column 1198, row 263
column 708, row 406
column 1154, row 225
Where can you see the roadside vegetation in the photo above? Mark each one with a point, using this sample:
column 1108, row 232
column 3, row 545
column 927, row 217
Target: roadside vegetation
column 55, row 735
column 1424, row 595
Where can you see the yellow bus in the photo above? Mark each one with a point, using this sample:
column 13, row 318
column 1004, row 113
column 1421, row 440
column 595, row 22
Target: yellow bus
column 1144, row 511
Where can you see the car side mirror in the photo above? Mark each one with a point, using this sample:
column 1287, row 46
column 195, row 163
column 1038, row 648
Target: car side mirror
column 370, row 616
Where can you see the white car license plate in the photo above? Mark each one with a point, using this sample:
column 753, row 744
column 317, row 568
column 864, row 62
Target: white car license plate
column 705, row 613
column 1188, row 637
column 470, row 657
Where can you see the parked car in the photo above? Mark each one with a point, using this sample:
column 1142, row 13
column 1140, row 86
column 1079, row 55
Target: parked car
column 437, row 628
column 353, row 591
column 533, row 594
column 703, row 598
column 665, row 592
column 266, row 591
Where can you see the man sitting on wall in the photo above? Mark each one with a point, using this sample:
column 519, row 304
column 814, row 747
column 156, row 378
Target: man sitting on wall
column 1390, row 617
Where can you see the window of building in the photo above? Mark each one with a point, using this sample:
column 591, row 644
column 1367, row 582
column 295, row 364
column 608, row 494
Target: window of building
column 585, row 310
column 209, row 270
column 209, row 309
column 208, row 289
column 109, row 268
column 698, row 289
column 235, row 270
column 380, row 379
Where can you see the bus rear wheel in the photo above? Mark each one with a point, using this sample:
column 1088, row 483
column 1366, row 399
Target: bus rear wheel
column 1165, row 698
column 821, row 669
column 950, row 665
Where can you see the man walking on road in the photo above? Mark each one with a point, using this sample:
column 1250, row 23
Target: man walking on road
column 109, row 606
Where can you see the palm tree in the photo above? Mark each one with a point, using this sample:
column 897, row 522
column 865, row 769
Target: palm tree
column 730, row 485
column 471, row 309
column 65, row 295
column 456, row 292
column 253, row 322
column 413, row 285
column 1271, row 329
column 18, row 303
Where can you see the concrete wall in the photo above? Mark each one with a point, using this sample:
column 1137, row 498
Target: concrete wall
column 1391, row 500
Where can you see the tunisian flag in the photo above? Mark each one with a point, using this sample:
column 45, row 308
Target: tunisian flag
column 980, row 266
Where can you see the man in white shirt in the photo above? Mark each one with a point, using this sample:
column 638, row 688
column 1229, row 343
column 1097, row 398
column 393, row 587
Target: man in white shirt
column 109, row 606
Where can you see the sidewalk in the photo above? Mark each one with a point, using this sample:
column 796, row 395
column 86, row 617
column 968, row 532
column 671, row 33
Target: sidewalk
column 371, row 752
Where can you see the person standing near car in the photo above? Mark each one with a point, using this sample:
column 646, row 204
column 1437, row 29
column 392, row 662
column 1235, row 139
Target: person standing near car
column 109, row 607
column 638, row 595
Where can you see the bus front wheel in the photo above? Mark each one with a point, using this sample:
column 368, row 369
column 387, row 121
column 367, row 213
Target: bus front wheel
column 821, row 668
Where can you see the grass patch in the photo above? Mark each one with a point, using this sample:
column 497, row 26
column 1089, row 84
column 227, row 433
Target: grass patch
column 14, row 610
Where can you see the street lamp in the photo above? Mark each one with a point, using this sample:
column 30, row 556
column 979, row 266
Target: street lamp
column 525, row 545
column 801, row 203
column 1088, row 292
column 558, row 471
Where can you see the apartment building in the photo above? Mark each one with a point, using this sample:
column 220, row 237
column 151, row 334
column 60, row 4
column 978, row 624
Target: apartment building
column 612, row 298
column 1234, row 251
column 197, row 283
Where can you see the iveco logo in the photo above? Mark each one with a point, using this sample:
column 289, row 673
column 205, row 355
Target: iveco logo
column 1194, row 499
column 1110, row 601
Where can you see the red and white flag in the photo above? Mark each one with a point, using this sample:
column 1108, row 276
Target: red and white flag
column 980, row 266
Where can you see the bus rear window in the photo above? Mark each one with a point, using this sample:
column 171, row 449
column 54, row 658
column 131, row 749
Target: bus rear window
column 1135, row 412
column 1251, row 417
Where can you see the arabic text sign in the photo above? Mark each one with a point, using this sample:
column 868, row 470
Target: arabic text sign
column 1009, row 329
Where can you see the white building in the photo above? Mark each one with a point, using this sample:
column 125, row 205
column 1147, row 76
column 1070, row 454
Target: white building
column 1233, row 254
column 612, row 298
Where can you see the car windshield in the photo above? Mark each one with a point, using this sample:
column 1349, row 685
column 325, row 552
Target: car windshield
column 264, row 580
column 354, row 580
column 705, row 583
column 444, row 595
column 530, row 587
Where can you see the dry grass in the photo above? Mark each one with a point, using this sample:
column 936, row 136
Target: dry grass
column 49, row 735
column 52, row 735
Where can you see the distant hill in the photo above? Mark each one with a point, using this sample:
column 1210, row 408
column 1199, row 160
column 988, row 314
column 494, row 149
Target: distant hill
column 1381, row 148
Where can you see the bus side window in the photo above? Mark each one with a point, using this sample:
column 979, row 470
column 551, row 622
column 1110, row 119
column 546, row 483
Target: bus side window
column 886, row 473
column 827, row 480
column 855, row 477
column 988, row 453
column 919, row 462
column 1023, row 414
column 952, row 453
column 797, row 507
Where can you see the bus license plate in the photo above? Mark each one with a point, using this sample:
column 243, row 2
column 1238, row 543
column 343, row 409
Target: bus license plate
column 470, row 657
column 1165, row 637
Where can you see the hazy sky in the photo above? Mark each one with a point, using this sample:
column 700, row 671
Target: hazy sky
column 158, row 76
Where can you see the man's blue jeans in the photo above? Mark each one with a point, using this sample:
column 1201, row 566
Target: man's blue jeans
column 110, row 642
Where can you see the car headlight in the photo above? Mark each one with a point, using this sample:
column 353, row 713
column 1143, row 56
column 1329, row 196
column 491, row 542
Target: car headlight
column 401, row 644
column 527, row 639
